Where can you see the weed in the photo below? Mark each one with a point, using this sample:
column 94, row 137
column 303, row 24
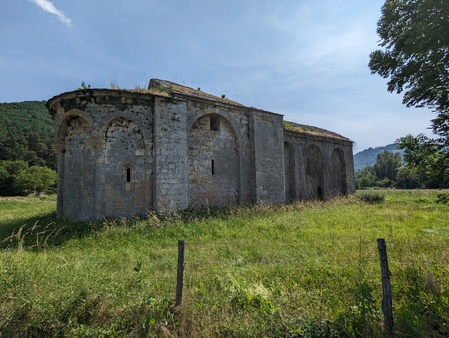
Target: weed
column 34, row 238
column 371, row 198
column 443, row 198
column 162, row 89
column 113, row 81
column 48, row 197
column 308, row 269
column 83, row 86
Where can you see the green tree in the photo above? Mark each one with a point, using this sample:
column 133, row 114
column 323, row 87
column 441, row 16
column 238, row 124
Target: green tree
column 4, row 185
column 365, row 177
column 382, row 174
column 35, row 180
column 408, row 178
column 414, row 35
column 8, row 173
column 386, row 167
column 415, row 38
column 427, row 157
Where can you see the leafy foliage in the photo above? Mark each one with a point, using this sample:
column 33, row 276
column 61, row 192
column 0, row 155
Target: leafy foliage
column 414, row 35
column 415, row 58
column 367, row 157
column 27, row 133
column 409, row 178
column 8, row 172
column 383, row 173
column 371, row 198
column 443, row 198
column 387, row 165
column 36, row 179
column 427, row 159
column 366, row 177
column 17, row 178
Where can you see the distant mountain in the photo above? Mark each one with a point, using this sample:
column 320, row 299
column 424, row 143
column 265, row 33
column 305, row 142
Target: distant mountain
column 368, row 156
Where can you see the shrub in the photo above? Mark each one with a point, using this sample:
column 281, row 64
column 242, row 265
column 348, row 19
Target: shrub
column 443, row 197
column 372, row 198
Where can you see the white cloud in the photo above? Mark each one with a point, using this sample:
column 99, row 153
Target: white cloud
column 50, row 8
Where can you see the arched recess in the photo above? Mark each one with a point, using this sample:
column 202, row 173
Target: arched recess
column 289, row 169
column 315, row 173
column 76, row 169
column 127, row 176
column 338, row 180
column 214, row 162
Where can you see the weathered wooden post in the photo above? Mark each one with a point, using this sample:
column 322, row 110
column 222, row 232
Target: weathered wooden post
column 180, row 275
column 387, row 300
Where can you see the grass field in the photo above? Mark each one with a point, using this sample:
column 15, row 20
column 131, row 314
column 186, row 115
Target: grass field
column 301, row 270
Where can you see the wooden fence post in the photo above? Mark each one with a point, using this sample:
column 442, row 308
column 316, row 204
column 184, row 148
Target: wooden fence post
column 180, row 275
column 387, row 300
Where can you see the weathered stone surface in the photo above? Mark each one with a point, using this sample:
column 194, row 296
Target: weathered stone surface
column 126, row 153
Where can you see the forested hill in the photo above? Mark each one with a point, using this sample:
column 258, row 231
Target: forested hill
column 27, row 133
column 368, row 156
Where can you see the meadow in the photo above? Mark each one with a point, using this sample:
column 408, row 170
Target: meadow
column 308, row 269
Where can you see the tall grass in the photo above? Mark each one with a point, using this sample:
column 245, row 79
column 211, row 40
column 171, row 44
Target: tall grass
column 301, row 270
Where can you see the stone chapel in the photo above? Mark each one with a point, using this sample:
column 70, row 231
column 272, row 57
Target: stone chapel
column 124, row 153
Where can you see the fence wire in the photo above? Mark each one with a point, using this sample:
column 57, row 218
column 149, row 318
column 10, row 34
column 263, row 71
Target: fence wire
column 205, row 260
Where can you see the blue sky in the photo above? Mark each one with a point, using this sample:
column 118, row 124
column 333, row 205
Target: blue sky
column 305, row 59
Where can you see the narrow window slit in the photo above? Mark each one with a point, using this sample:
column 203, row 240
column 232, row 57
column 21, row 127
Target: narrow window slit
column 213, row 167
column 128, row 175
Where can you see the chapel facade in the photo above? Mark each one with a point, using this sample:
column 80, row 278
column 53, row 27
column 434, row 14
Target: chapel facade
column 124, row 153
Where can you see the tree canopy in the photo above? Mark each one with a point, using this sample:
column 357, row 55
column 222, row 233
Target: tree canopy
column 27, row 133
column 387, row 165
column 428, row 159
column 383, row 173
column 17, row 178
column 414, row 35
column 35, row 180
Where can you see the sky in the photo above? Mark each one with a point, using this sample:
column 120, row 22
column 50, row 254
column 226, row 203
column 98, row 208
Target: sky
column 304, row 59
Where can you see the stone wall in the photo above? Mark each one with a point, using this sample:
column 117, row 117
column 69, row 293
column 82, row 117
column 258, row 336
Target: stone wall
column 123, row 153
column 214, row 162
column 269, row 159
column 320, row 167
column 105, row 155
column 171, row 169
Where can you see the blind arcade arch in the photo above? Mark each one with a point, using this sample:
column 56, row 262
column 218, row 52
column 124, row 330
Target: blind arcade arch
column 123, row 153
